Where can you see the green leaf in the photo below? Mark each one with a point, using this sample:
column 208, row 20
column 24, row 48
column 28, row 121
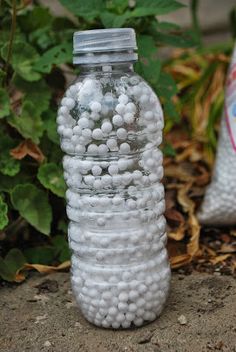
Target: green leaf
column 50, row 176
column 8, row 183
column 61, row 248
column 37, row 17
column 60, row 54
column 40, row 255
column 180, row 41
column 157, row 7
column 11, row 264
column 32, row 204
column 3, row 213
column 86, row 9
column 29, row 124
column 166, row 87
column 146, row 46
column 8, row 165
column 34, row 92
column 4, row 103
column 168, row 150
column 171, row 112
column 22, row 60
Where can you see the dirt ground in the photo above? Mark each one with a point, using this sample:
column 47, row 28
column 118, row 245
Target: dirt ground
column 40, row 315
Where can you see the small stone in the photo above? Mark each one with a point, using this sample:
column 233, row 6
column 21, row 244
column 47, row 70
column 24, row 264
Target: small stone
column 182, row 319
column 47, row 344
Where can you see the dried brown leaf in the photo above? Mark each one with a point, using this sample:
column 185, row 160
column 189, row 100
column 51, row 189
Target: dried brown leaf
column 45, row 269
column 219, row 258
column 180, row 260
column 27, row 147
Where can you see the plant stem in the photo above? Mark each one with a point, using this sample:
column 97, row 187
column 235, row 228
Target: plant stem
column 12, row 33
column 195, row 23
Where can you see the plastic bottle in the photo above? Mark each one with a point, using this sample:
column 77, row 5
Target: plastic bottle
column 110, row 122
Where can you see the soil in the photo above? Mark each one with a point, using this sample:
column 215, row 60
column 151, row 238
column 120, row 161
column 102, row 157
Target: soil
column 41, row 315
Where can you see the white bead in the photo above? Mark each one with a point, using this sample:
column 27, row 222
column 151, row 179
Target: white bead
column 89, row 180
column 83, row 122
column 93, row 149
column 123, row 297
column 112, row 144
column 107, row 68
column 123, row 99
column 97, row 184
column 87, row 133
column 117, row 120
column 121, row 133
column 113, row 169
column 106, row 180
column 120, row 108
column 137, row 174
column 95, row 106
column 129, row 117
column 130, row 107
column 77, row 130
column 97, row 134
column 101, row 221
column 144, row 99
column 124, row 148
column 80, row 149
column 96, row 170
column 106, row 127
column 123, row 164
column 148, row 115
column 102, row 149
column 68, row 102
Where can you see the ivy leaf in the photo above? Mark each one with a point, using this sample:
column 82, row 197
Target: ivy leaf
column 38, row 17
column 60, row 54
column 29, row 124
column 4, row 103
column 156, row 7
column 50, row 176
column 11, row 265
column 168, row 150
column 86, row 9
column 61, row 248
column 40, row 255
column 8, row 183
column 22, row 60
column 49, row 120
column 8, row 165
column 166, row 87
column 32, row 204
column 3, row 213
column 34, row 92
column 146, row 46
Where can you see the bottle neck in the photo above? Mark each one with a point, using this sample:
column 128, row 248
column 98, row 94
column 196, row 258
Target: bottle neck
column 108, row 67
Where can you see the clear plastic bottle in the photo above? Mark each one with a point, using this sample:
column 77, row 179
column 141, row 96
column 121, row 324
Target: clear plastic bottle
column 110, row 122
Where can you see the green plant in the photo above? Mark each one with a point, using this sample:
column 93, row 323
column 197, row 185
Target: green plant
column 35, row 59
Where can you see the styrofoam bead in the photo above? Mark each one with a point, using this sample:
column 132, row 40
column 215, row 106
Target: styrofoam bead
column 102, row 149
column 106, row 127
column 140, row 302
column 95, row 106
column 126, row 324
column 115, row 325
column 138, row 321
column 133, row 294
column 97, row 134
column 123, row 99
column 123, row 164
column 106, row 180
column 137, row 175
column 89, row 179
column 131, row 204
column 121, row 133
column 117, row 120
column 130, row 107
column 96, row 170
column 112, row 311
column 124, row 148
column 123, row 306
column 98, row 184
column 92, row 149
column 112, row 144
column 148, row 115
column 130, row 316
column 83, row 122
column 144, row 99
column 117, row 180
column 77, row 130
column 113, row 169
column 87, row 133
column 95, row 116
column 120, row 108
column 123, row 296
column 129, row 117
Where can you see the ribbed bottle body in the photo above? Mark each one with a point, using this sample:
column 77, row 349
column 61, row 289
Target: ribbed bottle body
column 110, row 123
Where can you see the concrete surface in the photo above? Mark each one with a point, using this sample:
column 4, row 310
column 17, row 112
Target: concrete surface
column 40, row 315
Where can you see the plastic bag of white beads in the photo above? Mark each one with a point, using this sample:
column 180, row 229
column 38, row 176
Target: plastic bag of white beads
column 219, row 205
column 110, row 123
